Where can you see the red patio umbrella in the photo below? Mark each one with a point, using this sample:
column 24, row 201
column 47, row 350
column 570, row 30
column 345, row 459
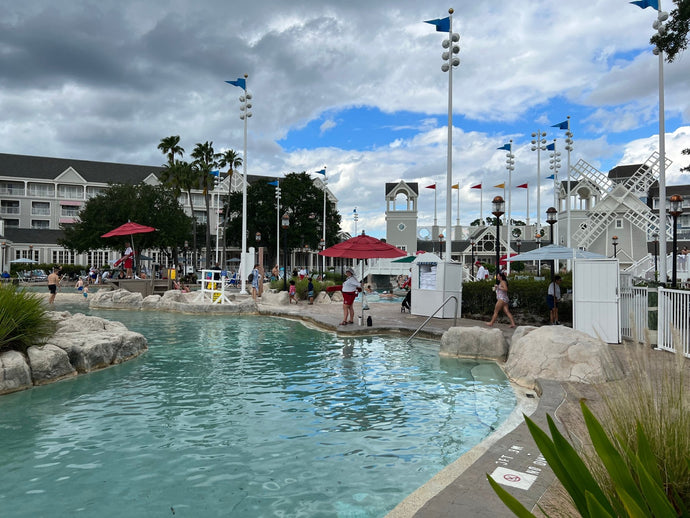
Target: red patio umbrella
column 502, row 260
column 129, row 229
column 363, row 247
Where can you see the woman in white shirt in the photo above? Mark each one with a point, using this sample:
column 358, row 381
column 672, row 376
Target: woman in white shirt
column 350, row 288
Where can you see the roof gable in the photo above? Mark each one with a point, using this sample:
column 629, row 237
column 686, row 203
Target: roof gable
column 69, row 175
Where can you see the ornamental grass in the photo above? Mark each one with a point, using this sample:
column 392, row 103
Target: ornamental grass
column 23, row 320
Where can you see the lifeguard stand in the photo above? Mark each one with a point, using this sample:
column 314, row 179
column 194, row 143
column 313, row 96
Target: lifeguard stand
column 212, row 289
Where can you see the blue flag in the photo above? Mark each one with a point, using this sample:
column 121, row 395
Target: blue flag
column 442, row 24
column 323, row 172
column 551, row 177
column 274, row 182
column 647, row 3
column 241, row 82
column 215, row 173
column 561, row 125
column 551, row 147
column 504, row 146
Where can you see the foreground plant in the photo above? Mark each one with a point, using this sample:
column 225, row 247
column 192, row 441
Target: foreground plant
column 23, row 321
column 639, row 489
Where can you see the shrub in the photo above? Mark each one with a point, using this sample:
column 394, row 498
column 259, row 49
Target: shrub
column 23, row 321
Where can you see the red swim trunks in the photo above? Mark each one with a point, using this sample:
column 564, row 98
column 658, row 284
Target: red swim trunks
column 349, row 297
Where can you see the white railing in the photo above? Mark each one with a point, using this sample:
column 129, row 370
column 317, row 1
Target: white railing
column 674, row 320
column 634, row 313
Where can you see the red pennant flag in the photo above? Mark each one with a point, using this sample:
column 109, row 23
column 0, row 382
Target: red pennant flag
column 431, row 186
column 478, row 186
column 523, row 186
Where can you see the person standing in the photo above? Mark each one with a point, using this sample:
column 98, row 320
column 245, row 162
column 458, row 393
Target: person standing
column 310, row 291
column 350, row 288
column 553, row 295
column 502, row 300
column 255, row 282
column 129, row 260
column 53, row 283
column 482, row 272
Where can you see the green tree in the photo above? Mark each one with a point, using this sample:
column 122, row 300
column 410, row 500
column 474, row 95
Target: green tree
column 180, row 176
column 155, row 206
column 170, row 146
column 300, row 197
column 205, row 161
column 232, row 160
column 675, row 38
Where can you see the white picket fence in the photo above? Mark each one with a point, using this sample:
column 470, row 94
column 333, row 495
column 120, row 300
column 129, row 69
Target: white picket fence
column 673, row 317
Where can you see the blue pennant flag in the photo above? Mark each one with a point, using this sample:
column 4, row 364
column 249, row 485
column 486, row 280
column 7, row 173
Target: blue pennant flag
column 551, row 147
column 504, row 146
column 323, row 172
column 215, row 173
column 551, row 177
column 241, row 82
column 561, row 125
column 442, row 24
column 647, row 3
column 274, row 183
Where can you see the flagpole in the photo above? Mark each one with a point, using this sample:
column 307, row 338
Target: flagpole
column 510, row 166
column 323, row 272
column 449, row 172
column 435, row 219
column 481, row 206
column 658, row 24
column 457, row 221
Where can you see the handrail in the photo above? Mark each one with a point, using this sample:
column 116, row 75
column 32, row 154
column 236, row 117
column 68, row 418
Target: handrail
column 455, row 321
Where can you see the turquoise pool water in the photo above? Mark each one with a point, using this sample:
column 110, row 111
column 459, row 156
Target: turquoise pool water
column 244, row 417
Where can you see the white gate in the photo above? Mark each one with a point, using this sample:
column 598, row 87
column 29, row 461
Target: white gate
column 596, row 308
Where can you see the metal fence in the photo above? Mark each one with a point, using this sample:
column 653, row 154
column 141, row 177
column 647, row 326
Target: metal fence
column 674, row 320
column 635, row 313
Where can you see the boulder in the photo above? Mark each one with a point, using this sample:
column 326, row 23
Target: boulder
column 474, row 342
column 560, row 353
column 49, row 363
column 151, row 302
column 322, row 298
column 116, row 299
column 337, row 296
column 274, row 298
column 15, row 373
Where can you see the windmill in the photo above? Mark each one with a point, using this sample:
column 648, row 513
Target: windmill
column 619, row 200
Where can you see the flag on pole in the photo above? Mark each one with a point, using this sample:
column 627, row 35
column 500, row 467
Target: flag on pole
column 274, row 183
column 432, row 186
column 241, row 82
column 500, row 186
column 456, row 186
column 323, row 172
column 551, row 177
column 523, row 186
column 504, row 146
column 551, row 147
column 478, row 186
column 442, row 24
column 215, row 173
column 647, row 3
column 561, row 125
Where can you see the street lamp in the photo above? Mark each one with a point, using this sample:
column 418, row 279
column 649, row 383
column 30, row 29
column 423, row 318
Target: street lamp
column 551, row 219
column 440, row 245
column 186, row 247
column 498, row 209
column 518, row 243
column 257, row 237
column 538, row 145
column 510, row 166
column 472, row 244
column 655, row 236
column 285, row 223
column 554, row 165
column 2, row 256
column 244, row 115
column 675, row 210
column 355, row 216
column 614, row 242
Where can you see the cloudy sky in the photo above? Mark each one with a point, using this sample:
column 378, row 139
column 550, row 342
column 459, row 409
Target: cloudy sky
column 354, row 86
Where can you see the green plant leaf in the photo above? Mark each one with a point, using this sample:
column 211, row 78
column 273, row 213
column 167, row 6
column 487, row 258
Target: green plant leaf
column 612, row 459
column 646, row 456
column 511, row 502
column 631, row 505
column 594, row 507
column 653, row 492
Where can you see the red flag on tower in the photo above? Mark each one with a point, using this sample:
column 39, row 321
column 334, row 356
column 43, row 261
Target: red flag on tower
column 433, row 186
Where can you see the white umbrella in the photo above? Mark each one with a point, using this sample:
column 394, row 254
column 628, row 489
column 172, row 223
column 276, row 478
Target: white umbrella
column 555, row 252
column 24, row 260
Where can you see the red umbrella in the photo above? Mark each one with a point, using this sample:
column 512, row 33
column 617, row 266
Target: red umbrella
column 503, row 258
column 128, row 229
column 363, row 247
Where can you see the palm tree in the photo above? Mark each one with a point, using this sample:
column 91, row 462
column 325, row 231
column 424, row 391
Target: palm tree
column 206, row 160
column 181, row 177
column 233, row 161
column 170, row 146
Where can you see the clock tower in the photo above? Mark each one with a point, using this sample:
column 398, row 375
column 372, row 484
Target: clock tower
column 401, row 215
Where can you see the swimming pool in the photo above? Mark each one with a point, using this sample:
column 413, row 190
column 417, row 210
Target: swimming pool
column 244, row 416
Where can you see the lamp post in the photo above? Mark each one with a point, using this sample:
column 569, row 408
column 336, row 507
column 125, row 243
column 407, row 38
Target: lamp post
column 186, row 247
column 518, row 243
column 614, row 242
column 285, row 223
column 551, row 219
column 675, row 210
column 31, row 252
column 2, row 256
column 538, row 145
column 656, row 255
column 510, row 166
column 472, row 244
column 277, row 223
column 257, row 237
column 355, row 217
column 440, row 245
column 498, row 209
column 322, row 247
column 554, row 165
column 244, row 115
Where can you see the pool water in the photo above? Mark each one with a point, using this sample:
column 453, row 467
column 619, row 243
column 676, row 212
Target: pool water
column 244, row 416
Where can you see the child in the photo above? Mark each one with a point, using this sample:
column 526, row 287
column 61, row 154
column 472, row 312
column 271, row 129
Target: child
column 293, row 293
column 310, row 290
column 80, row 284
column 85, row 291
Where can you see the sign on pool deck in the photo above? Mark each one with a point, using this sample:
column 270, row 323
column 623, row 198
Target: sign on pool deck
column 518, row 479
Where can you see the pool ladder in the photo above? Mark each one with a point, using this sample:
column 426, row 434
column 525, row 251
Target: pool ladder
column 455, row 321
